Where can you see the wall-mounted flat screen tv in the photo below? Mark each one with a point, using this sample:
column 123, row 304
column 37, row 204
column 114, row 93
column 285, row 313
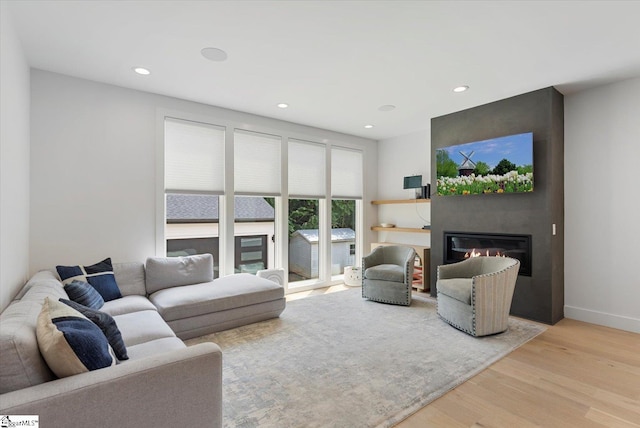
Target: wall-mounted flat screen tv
column 498, row 165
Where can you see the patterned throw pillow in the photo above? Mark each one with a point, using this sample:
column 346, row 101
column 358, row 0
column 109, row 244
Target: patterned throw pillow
column 100, row 276
column 106, row 323
column 84, row 293
column 69, row 342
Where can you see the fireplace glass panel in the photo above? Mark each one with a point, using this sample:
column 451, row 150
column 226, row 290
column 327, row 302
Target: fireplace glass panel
column 459, row 246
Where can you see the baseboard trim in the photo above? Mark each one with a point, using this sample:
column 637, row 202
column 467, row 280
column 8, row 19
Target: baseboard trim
column 602, row 318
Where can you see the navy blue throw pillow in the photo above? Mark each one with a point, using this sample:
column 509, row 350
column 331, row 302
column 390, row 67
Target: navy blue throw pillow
column 107, row 324
column 100, row 276
column 84, row 293
column 69, row 342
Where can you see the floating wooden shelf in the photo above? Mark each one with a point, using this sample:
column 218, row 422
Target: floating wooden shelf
column 400, row 201
column 400, row 229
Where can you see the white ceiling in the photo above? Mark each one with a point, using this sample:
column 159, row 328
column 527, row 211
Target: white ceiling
column 336, row 62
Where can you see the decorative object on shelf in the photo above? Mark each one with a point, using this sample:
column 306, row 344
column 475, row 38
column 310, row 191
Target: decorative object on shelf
column 414, row 182
column 387, row 225
column 353, row 276
column 426, row 191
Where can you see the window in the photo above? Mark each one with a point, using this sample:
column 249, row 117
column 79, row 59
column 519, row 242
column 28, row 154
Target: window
column 256, row 163
column 194, row 157
column 304, row 241
column 190, row 246
column 307, row 188
column 251, row 253
column 194, row 177
column 307, row 169
column 346, row 193
column 254, row 231
column 233, row 214
column 346, row 173
column 257, row 179
column 343, row 235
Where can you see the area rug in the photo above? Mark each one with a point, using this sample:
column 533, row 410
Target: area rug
column 338, row 360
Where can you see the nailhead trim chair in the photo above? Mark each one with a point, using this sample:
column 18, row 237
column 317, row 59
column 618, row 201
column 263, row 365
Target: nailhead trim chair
column 475, row 295
column 387, row 274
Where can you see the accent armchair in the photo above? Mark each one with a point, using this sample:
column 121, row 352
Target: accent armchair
column 387, row 274
column 475, row 295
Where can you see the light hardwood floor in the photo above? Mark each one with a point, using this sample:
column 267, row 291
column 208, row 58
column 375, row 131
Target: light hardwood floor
column 574, row 374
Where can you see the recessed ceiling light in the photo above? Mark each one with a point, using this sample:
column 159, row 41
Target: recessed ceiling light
column 387, row 107
column 368, row 126
column 460, row 88
column 283, row 105
column 141, row 70
column 214, row 54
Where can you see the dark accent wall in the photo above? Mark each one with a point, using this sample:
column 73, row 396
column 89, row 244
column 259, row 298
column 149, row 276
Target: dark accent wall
column 541, row 296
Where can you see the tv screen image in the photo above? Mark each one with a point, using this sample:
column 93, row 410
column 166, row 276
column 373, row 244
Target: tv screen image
column 498, row 165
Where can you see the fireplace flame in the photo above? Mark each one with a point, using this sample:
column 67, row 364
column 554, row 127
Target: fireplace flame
column 475, row 253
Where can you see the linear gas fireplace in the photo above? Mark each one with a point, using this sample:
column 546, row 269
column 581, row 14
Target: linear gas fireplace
column 461, row 245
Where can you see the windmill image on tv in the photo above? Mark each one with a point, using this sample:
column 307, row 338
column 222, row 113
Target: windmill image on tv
column 467, row 166
column 498, row 165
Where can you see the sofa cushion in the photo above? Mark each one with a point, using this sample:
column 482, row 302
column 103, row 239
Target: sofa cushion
column 84, row 294
column 166, row 272
column 141, row 327
column 99, row 275
column 106, row 323
column 456, row 288
column 128, row 304
column 130, row 278
column 385, row 272
column 224, row 293
column 69, row 342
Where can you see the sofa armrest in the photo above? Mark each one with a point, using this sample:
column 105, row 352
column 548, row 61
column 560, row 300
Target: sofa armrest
column 492, row 294
column 455, row 270
column 177, row 388
column 372, row 259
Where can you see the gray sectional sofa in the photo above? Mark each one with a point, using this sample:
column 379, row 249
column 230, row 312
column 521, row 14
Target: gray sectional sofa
column 164, row 382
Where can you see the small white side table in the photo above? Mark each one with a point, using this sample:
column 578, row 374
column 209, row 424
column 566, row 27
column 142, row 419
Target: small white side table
column 353, row 276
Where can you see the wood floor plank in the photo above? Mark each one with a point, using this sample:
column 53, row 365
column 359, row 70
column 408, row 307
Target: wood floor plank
column 574, row 374
column 572, row 389
column 432, row 416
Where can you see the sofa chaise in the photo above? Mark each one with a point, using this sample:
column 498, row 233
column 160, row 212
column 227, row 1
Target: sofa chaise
column 163, row 382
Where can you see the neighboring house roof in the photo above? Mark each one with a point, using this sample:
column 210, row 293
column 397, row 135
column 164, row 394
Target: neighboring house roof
column 204, row 208
column 337, row 235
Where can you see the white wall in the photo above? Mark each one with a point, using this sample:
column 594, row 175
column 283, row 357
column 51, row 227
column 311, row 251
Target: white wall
column 602, row 205
column 14, row 161
column 93, row 167
column 398, row 157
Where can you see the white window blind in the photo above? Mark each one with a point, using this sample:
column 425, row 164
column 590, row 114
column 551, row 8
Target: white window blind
column 193, row 156
column 256, row 163
column 346, row 174
column 307, row 170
